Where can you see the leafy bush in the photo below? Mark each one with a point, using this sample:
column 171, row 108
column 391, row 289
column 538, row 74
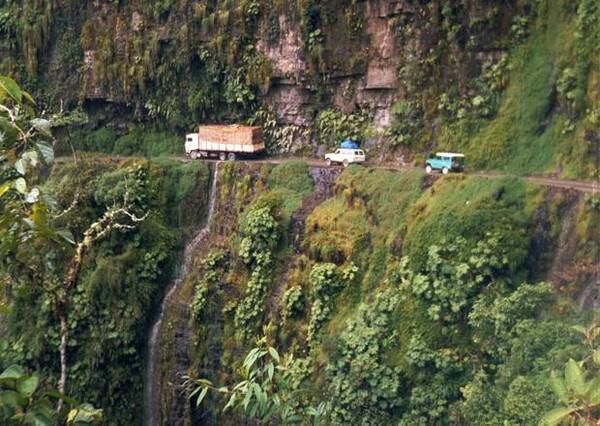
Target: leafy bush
column 454, row 274
column 361, row 387
column 334, row 126
column 326, row 282
column 293, row 302
column 145, row 142
column 407, row 123
column 261, row 234
column 494, row 318
column 24, row 402
column 213, row 268
column 101, row 140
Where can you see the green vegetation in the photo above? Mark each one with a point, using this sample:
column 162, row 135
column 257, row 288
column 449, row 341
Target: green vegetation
column 27, row 223
column 23, row 403
column 291, row 182
column 267, row 393
column 138, row 142
column 469, row 208
column 333, row 126
column 535, row 130
column 401, row 299
column 121, row 280
column 91, row 303
column 446, row 330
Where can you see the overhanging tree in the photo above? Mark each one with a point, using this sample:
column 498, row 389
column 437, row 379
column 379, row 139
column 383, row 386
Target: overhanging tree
column 33, row 250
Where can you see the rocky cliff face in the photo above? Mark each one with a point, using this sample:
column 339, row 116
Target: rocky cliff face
column 344, row 55
column 399, row 75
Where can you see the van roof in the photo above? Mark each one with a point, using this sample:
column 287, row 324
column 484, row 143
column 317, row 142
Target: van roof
column 449, row 154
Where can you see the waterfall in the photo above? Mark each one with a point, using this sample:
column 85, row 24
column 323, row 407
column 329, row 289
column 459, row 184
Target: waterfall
column 151, row 397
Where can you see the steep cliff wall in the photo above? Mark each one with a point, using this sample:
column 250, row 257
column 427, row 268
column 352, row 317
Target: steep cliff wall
column 360, row 334
column 402, row 76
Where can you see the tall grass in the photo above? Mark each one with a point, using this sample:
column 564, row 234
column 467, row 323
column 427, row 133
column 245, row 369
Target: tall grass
column 535, row 131
column 525, row 135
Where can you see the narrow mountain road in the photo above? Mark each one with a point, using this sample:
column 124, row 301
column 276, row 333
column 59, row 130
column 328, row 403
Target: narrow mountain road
column 582, row 186
column 592, row 187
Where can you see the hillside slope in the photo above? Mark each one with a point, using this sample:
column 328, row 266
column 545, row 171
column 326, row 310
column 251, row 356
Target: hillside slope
column 403, row 299
column 393, row 297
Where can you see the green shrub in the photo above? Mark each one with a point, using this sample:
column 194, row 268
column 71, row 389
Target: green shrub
column 334, row 126
column 468, row 208
column 407, row 123
column 128, row 144
column 291, row 175
column 293, row 302
column 361, row 387
column 101, row 140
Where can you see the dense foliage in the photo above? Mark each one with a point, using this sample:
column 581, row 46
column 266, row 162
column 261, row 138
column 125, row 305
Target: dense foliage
column 400, row 299
column 447, row 331
column 105, row 292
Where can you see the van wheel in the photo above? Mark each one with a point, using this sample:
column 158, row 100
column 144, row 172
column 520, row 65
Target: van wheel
column 345, row 163
column 231, row 156
column 445, row 170
column 328, row 162
column 194, row 155
column 428, row 169
column 222, row 156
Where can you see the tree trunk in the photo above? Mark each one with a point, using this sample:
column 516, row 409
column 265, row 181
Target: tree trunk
column 62, row 383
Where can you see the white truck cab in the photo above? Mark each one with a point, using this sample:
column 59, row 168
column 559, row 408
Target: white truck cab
column 345, row 156
column 191, row 143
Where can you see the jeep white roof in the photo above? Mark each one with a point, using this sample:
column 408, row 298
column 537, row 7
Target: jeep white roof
column 449, row 154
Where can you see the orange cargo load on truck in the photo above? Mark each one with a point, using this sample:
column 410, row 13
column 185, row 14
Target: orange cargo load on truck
column 243, row 135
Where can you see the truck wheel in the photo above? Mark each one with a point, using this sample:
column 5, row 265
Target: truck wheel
column 345, row 163
column 193, row 155
column 328, row 162
column 445, row 170
column 428, row 169
column 222, row 156
column 231, row 156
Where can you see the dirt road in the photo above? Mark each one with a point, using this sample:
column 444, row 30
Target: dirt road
column 582, row 186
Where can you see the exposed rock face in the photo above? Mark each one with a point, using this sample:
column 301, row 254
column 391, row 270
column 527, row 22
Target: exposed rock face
column 353, row 56
column 286, row 55
column 364, row 63
column 290, row 95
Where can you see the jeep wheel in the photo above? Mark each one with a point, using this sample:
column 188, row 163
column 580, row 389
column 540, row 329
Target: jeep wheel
column 345, row 163
column 231, row 156
column 428, row 169
column 328, row 162
column 222, row 156
column 445, row 170
column 194, row 154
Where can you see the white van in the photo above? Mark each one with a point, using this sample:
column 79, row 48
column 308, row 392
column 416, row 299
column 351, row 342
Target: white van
column 345, row 156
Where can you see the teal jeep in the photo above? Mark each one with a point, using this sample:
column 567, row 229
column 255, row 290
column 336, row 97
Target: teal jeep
column 446, row 162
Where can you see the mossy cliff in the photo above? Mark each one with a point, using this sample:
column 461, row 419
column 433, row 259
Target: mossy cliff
column 514, row 84
column 122, row 281
column 403, row 299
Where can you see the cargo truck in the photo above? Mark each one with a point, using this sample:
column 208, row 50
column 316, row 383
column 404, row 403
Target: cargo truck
column 227, row 142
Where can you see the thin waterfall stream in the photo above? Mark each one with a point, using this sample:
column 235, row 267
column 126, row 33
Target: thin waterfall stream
column 151, row 402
